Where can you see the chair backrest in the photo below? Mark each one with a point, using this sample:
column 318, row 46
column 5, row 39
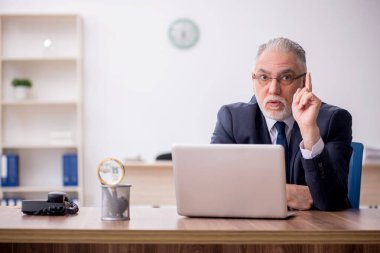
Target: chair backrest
column 164, row 157
column 355, row 174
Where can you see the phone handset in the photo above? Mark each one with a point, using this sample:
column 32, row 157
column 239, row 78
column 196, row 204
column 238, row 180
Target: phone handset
column 61, row 197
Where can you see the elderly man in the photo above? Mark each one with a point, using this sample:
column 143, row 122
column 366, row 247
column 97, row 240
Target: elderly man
column 316, row 136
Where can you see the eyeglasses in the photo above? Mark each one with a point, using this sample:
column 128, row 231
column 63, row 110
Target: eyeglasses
column 286, row 79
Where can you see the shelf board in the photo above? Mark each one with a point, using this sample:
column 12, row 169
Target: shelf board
column 40, row 189
column 40, row 15
column 38, row 102
column 21, row 59
column 158, row 164
column 38, row 146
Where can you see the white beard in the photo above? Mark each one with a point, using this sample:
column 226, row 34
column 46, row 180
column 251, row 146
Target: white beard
column 276, row 115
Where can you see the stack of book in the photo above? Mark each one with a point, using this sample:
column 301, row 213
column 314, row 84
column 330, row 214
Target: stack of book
column 9, row 170
column 70, row 169
column 11, row 202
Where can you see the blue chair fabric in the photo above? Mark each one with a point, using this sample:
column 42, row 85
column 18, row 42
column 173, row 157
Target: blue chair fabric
column 355, row 174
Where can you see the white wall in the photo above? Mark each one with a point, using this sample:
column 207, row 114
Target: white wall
column 142, row 94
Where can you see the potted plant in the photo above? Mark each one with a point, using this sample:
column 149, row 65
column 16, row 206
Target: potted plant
column 22, row 88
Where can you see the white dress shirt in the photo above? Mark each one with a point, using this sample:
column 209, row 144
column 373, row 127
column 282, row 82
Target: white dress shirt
column 289, row 122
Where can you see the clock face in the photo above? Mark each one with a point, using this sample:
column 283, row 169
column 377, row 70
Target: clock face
column 183, row 33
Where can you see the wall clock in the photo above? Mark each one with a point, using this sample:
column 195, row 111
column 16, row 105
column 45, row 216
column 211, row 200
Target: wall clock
column 183, row 33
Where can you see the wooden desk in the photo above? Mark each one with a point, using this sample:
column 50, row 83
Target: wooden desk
column 162, row 230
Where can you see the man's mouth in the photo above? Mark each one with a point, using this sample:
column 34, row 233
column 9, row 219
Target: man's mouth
column 274, row 104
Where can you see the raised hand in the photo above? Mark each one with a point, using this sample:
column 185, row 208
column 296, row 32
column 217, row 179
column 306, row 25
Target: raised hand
column 305, row 109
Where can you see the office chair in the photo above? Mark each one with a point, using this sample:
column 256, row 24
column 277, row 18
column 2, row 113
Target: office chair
column 164, row 157
column 355, row 174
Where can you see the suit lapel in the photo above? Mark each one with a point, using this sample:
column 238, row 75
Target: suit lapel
column 294, row 149
column 261, row 131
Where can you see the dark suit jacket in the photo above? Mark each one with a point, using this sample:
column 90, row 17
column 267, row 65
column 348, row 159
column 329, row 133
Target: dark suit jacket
column 326, row 175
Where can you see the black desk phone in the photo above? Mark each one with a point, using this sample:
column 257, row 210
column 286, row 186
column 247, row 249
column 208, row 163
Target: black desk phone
column 57, row 204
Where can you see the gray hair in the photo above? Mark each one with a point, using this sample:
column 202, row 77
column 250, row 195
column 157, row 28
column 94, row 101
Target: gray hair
column 285, row 45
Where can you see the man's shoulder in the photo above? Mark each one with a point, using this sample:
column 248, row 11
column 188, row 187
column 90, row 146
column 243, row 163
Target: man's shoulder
column 328, row 109
column 331, row 114
column 239, row 109
column 241, row 106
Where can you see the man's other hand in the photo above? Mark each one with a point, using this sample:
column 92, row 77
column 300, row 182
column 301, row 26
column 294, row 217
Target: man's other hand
column 298, row 197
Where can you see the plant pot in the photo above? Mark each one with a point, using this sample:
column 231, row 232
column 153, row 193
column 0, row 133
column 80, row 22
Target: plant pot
column 21, row 92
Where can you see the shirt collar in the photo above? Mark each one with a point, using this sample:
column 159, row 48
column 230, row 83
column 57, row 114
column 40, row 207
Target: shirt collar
column 289, row 122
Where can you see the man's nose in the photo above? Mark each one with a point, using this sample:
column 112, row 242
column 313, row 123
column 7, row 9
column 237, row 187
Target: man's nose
column 274, row 86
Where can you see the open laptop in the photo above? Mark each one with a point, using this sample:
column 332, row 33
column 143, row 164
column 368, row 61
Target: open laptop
column 230, row 180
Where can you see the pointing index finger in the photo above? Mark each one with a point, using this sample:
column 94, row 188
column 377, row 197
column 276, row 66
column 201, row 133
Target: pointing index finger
column 308, row 82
